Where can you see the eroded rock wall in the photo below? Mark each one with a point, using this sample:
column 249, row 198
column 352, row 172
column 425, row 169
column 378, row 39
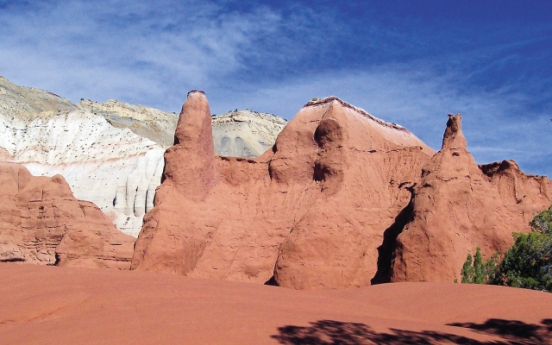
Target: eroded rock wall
column 245, row 133
column 42, row 223
column 112, row 167
column 308, row 214
column 459, row 206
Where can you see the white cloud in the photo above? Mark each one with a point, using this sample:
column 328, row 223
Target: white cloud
column 137, row 52
column 149, row 54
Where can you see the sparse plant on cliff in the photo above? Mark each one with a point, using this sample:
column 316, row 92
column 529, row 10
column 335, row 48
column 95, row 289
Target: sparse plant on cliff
column 314, row 99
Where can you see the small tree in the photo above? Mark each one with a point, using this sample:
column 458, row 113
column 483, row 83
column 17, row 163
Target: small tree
column 468, row 272
column 475, row 271
column 528, row 263
column 542, row 222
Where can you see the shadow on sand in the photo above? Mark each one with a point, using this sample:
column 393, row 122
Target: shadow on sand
column 328, row 332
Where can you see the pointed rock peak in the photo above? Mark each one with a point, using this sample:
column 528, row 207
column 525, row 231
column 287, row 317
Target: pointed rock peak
column 189, row 164
column 453, row 137
column 359, row 111
column 194, row 123
column 196, row 91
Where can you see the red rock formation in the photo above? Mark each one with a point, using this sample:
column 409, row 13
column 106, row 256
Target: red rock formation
column 42, row 223
column 459, row 206
column 310, row 213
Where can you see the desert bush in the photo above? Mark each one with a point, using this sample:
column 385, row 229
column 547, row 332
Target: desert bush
column 475, row 271
column 542, row 222
column 527, row 264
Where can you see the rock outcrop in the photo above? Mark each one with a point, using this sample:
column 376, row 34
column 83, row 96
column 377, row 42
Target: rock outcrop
column 42, row 223
column 114, row 168
column 110, row 153
column 342, row 199
column 459, row 206
column 245, row 133
column 153, row 124
column 308, row 214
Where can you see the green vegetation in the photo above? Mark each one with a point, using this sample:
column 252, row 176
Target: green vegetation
column 527, row 264
column 475, row 271
column 542, row 223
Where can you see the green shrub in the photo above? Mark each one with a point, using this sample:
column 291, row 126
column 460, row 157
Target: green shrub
column 542, row 223
column 527, row 264
column 475, row 271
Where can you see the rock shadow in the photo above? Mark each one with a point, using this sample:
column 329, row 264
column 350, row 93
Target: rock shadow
column 271, row 282
column 330, row 332
column 386, row 249
column 513, row 330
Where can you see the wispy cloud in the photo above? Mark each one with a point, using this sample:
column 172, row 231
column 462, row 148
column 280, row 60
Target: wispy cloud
column 275, row 58
column 132, row 51
column 141, row 52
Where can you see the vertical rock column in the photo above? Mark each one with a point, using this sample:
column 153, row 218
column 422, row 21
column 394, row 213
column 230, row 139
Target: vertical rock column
column 170, row 241
column 189, row 166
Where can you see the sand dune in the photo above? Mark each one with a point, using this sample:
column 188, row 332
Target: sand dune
column 55, row 305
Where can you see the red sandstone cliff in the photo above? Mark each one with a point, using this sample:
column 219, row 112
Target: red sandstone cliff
column 341, row 200
column 459, row 206
column 42, row 223
column 310, row 213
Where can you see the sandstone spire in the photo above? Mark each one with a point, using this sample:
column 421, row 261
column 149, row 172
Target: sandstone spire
column 453, row 137
column 456, row 208
column 189, row 166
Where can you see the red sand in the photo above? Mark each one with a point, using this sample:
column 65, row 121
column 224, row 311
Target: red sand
column 55, row 305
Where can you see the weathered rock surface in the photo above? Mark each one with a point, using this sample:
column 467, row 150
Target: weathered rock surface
column 245, row 133
column 42, row 223
column 308, row 214
column 114, row 168
column 23, row 103
column 112, row 153
column 153, row 124
column 459, row 206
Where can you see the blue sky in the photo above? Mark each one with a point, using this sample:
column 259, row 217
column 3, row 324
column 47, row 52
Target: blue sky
column 409, row 62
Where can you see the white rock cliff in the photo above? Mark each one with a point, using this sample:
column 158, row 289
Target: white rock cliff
column 112, row 153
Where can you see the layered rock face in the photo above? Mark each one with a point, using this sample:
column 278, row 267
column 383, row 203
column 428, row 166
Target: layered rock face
column 245, row 133
column 308, row 214
column 112, row 153
column 153, row 124
column 21, row 104
column 459, row 206
column 42, row 223
column 114, row 168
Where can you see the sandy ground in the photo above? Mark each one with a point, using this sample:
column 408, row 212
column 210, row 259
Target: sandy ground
column 52, row 305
